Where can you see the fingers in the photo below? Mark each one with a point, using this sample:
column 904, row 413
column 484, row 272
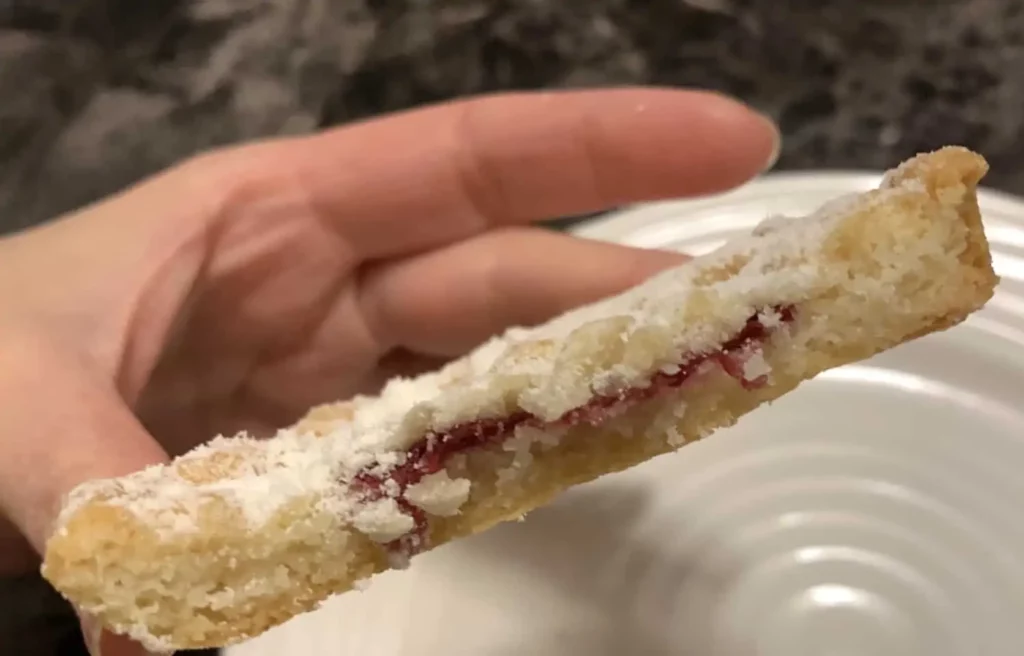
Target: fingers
column 419, row 179
column 448, row 301
column 58, row 428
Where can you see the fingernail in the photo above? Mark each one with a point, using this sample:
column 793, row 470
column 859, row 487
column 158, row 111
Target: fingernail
column 103, row 643
column 733, row 109
column 92, row 634
column 115, row 645
column 773, row 158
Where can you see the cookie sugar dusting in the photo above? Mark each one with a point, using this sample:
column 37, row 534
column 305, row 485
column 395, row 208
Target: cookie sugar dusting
column 241, row 534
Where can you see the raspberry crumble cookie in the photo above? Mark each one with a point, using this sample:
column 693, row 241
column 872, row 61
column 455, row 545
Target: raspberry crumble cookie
column 239, row 535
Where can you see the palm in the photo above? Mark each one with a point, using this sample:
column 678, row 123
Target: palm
column 268, row 329
column 313, row 286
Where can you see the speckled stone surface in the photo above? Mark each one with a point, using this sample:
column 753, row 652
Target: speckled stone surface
column 95, row 94
column 98, row 93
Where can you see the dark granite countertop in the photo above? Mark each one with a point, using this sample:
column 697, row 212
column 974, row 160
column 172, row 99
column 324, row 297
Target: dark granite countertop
column 98, row 93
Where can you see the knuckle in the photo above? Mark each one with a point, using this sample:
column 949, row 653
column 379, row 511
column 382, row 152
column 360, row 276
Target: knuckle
column 479, row 177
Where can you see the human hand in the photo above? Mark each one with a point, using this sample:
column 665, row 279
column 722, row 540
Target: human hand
column 240, row 288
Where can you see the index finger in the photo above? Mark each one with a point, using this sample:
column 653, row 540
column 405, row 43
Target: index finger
column 423, row 178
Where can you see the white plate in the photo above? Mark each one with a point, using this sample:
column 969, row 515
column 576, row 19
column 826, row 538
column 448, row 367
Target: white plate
column 876, row 511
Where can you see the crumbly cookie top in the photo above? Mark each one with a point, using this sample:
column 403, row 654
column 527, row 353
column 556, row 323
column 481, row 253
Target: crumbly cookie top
column 545, row 370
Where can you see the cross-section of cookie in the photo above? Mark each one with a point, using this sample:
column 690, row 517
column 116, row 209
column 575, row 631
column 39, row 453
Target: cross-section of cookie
column 243, row 534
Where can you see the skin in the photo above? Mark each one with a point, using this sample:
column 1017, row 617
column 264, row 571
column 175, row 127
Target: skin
column 243, row 286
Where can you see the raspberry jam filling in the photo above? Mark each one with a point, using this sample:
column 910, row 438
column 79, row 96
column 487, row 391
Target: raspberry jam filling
column 432, row 452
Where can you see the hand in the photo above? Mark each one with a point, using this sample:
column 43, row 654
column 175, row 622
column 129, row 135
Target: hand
column 242, row 287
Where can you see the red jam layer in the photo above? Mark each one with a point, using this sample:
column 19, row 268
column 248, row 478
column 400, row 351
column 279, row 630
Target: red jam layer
column 431, row 453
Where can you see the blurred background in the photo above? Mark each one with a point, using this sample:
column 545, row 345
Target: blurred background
column 96, row 94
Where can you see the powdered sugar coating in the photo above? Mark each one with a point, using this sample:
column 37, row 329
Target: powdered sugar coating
column 545, row 370
column 438, row 494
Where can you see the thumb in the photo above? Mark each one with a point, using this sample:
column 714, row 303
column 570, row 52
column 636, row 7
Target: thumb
column 104, row 643
column 61, row 423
